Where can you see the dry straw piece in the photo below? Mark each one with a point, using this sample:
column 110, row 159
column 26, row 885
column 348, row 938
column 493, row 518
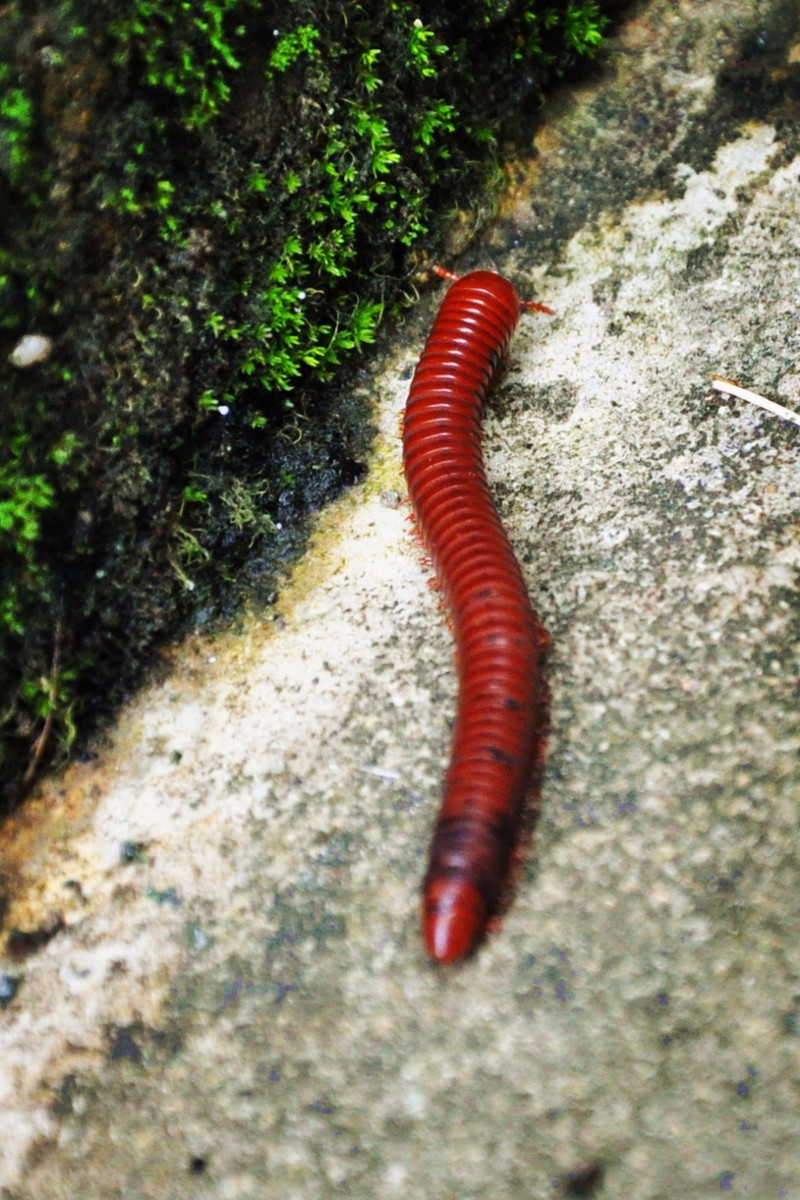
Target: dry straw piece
column 733, row 389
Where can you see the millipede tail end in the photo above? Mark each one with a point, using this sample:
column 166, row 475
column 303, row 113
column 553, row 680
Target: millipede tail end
column 454, row 919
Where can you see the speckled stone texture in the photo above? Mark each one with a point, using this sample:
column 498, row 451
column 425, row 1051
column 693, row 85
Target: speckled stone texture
column 235, row 1002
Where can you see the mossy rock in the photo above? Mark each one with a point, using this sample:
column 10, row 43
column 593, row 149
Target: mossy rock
column 210, row 206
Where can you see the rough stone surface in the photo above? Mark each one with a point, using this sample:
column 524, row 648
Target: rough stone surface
column 230, row 998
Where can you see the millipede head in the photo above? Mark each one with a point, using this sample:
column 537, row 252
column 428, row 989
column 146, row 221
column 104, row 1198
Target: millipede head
column 454, row 278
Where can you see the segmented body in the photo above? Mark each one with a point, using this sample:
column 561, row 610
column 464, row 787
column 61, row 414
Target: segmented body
column 499, row 639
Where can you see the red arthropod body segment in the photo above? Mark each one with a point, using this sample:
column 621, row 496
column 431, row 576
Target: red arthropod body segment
column 500, row 641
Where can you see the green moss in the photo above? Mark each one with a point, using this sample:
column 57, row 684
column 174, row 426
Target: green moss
column 583, row 26
column 16, row 127
column 292, row 46
column 188, row 49
column 25, row 495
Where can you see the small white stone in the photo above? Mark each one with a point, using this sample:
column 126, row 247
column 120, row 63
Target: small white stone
column 30, row 349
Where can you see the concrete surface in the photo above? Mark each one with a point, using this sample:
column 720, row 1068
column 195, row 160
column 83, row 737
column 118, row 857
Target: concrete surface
column 232, row 1000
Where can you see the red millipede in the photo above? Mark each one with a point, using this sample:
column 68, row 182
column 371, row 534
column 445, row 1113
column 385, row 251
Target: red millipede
column 500, row 641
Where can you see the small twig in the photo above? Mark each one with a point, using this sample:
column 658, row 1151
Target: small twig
column 733, row 389
column 41, row 741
